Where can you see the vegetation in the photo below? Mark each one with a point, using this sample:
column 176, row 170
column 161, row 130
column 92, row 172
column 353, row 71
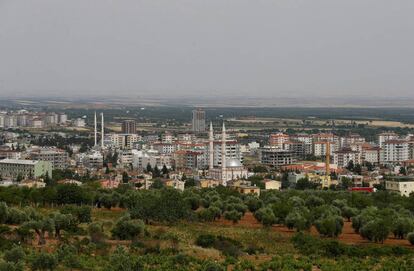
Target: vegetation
column 85, row 228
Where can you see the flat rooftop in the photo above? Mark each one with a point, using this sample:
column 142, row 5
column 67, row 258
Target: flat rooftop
column 18, row 161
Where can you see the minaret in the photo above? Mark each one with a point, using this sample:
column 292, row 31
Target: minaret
column 102, row 133
column 223, row 155
column 96, row 132
column 211, row 147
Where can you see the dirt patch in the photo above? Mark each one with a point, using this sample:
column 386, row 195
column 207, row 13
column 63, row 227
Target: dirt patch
column 348, row 235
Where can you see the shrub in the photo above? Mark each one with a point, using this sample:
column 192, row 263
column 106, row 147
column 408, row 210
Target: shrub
column 206, row 240
column 14, row 255
column 410, row 238
column 96, row 233
column 127, row 228
column 44, row 261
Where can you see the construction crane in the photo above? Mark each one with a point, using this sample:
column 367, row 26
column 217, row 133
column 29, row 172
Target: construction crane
column 327, row 180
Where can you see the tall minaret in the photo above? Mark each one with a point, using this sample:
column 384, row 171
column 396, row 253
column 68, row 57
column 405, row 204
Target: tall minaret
column 211, row 147
column 223, row 155
column 96, row 132
column 102, row 133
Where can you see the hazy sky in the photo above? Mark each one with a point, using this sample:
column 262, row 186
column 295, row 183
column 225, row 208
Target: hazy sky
column 166, row 47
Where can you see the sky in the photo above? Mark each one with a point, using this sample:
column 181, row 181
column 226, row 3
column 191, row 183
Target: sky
column 278, row 48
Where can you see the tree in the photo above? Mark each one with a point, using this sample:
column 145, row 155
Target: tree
column 253, row 203
column 127, row 228
column 330, row 225
column 63, row 222
column 304, row 183
column 156, row 172
column 348, row 212
column 403, row 171
column 157, row 184
column 149, row 168
column 14, row 255
column 125, row 177
column 121, row 260
column 376, row 230
column 4, row 212
column 314, row 201
column 410, row 238
column 266, row 216
column 350, row 166
column 44, row 261
column 402, row 226
column 164, row 170
column 233, row 215
column 299, row 219
column 41, row 227
column 96, row 232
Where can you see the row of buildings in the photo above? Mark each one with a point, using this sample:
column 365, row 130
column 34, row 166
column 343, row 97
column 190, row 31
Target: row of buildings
column 24, row 118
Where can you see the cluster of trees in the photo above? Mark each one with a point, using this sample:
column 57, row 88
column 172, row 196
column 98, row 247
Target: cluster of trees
column 156, row 172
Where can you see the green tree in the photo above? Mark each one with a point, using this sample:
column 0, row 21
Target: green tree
column 127, row 228
column 14, row 255
column 330, row 225
column 96, row 232
column 121, row 260
column 410, row 238
column 233, row 215
column 44, row 262
column 402, row 226
column 266, row 216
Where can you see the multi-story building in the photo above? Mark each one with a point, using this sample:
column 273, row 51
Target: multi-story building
column 352, row 139
column 93, row 160
column 394, row 151
column 186, row 159
column 371, row 154
column 57, row 157
column 233, row 151
column 277, row 140
column 307, row 141
column 13, row 168
column 344, row 156
column 297, row 147
column 276, row 157
column 129, row 127
column 123, row 141
column 164, row 148
column 383, row 137
column 199, row 121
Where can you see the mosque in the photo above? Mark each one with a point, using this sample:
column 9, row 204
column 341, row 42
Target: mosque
column 230, row 169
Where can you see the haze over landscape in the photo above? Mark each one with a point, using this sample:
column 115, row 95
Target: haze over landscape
column 207, row 49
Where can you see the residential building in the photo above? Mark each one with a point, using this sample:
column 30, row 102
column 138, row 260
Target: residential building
column 276, row 157
column 199, row 121
column 129, row 127
column 14, row 168
column 402, row 185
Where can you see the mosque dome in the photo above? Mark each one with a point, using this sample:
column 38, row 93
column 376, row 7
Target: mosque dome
column 231, row 163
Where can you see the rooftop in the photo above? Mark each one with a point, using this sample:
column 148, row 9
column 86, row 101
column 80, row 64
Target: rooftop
column 18, row 161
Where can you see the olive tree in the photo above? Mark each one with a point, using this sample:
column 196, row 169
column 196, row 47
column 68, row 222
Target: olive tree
column 127, row 228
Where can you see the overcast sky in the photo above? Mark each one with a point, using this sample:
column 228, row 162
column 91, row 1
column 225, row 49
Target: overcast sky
column 167, row 47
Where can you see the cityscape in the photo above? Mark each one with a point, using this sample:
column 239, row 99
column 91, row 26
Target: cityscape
column 211, row 135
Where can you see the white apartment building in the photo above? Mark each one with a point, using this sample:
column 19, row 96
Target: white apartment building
column 122, row 141
column 344, row 156
column 383, row 137
column 233, row 151
column 394, row 151
column 371, row 155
